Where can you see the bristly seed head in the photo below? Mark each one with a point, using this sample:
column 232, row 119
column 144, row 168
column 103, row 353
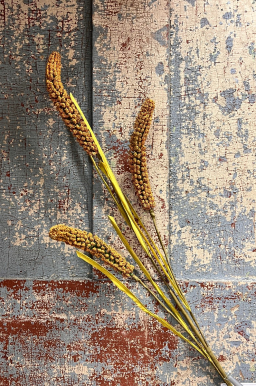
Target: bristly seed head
column 93, row 245
column 138, row 163
column 65, row 106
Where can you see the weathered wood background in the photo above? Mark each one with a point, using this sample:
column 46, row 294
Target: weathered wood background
column 61, row 323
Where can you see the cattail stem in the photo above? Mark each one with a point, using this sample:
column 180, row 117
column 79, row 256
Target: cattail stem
column 110, row 191
column 198, row 333
column 198, row 327
column 136, row 278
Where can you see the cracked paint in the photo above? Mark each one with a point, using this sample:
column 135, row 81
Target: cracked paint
column 62, row 324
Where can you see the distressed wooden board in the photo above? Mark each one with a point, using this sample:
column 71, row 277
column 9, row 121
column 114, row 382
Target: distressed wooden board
column 212, row 145
column 45, row 176
column 88, row 332
column 212, row 156
column 130, row 63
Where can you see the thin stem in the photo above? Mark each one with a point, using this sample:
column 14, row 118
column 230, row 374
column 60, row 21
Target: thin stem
column 165, row 252
column 167, row 265
column 198, row 327
column 206, row 354
column 136, row 278
column 110, row 191
column 152, row 214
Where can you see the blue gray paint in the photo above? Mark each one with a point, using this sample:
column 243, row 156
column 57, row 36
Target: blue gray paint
column 30, row 146
column 211, row 232
column 204, row 22
column 229, row 44
column 34, row 150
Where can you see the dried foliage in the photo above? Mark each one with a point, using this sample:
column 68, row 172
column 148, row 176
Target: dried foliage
column 177, row 306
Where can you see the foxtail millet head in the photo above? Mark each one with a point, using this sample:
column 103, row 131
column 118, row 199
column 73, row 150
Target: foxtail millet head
column 138, row 162
column 92, row 244
column 65, row 106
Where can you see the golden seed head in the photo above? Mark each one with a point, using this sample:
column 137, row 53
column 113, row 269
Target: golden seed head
column 64, row 104
column 93, row 245
column 138, row 163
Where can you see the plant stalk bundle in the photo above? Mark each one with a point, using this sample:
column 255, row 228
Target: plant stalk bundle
column 171, row 298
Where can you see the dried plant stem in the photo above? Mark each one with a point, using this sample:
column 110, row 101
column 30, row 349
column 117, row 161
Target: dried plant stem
column 173, row 280
column 146, row 273
column 152, row 214
column 110, row 192
column 208, row 354
column 190, row 318
column 198, row 333
column 196, row 329
column 137, row 279
column 127, row 212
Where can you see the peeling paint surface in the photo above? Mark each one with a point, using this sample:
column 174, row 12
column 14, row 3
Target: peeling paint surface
column 212, row 144
column 135, row 67
column 61, row 323
column 87, row 332
column 45, row 176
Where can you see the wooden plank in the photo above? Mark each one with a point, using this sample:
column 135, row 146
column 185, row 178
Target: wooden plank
column 76, row 332
column 212, row 161
column 45, row 175
column 130, row 63
column 88, row 332
column 212, row 140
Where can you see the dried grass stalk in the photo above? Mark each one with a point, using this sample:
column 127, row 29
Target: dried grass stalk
column 65, row 106
column 93, row 245
column 138, row 162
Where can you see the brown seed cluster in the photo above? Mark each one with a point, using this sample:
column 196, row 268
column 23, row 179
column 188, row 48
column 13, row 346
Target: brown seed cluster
column 138, row 162
column 65, row 106
column 93, row 245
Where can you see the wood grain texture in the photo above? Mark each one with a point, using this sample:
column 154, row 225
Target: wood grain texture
column 60, row 325
column 212, row 159
column 88, row 332
column 212, row 145
column 45, row 177
column 130, row 64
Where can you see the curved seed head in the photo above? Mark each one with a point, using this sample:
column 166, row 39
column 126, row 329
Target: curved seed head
column 93, row 245
column 138, row 162
column 65, row 106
